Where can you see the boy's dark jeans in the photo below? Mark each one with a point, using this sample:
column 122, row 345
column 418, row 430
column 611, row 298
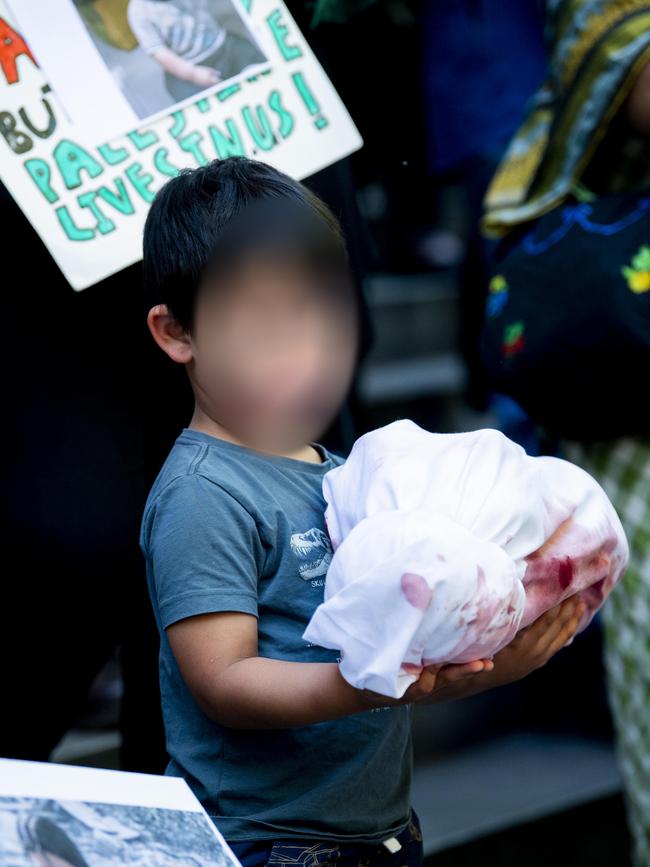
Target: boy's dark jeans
column 307, row 853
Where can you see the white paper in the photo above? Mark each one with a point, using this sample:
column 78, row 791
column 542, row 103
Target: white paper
column 108, row 817
column 89, row 204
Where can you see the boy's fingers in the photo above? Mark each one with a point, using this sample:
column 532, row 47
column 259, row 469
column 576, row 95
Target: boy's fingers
column 538, row 627
column 554, row 628
column 558, row 614
column 425, row 683
column 569, row 613
column 572, row 607
column 567, row 632
column 551, row 617
column 434, row 668
column 434, row 677
column 549, row 625
column 428, row 679
column 452, row 673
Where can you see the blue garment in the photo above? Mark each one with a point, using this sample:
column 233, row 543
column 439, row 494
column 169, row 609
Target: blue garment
column 483, row 60
column 314, row 853
column 230, row 529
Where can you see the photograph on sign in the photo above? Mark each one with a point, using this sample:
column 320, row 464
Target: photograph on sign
column 141, row 59
column 36, row 831
column 77, row 817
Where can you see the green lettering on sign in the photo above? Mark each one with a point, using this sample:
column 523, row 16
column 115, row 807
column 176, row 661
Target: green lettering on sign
column 39, row 172
column 143, row 140
column 286, row 118
column 261, row 131
column 280, row 32
column 119, row 200
column 227, row 145
column 309, row 99
column 72, row 160
column 88, row 200
column 163, row 165
column 141, row 181
column 112, row 155
column 74, row 232
column 227, row 92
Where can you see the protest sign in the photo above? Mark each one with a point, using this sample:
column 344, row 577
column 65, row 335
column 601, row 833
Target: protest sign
column 141, row 59
column 89, row 203
column 81, row 816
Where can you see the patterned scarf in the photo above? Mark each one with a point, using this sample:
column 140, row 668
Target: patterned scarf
column 596, row 50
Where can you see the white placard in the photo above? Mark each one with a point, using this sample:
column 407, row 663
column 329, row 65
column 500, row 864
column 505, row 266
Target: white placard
column 98, row 817
column 89, row 204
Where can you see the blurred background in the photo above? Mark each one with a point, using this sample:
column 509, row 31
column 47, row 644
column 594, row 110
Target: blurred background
column 517, row 776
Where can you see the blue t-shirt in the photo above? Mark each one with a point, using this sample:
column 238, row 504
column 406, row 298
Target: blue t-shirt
column 227, row 528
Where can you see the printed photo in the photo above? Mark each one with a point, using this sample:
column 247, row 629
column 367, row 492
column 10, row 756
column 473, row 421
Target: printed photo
column 42, row 832
column 164, row 52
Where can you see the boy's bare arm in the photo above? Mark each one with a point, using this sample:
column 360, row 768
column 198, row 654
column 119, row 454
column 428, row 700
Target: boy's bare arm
column 202, row 76
column 217, row 657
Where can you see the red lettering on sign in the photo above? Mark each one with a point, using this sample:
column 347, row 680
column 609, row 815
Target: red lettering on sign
column 12, row 45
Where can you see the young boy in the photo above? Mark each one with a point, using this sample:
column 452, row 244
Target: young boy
column 249, row 274
column 194, row 49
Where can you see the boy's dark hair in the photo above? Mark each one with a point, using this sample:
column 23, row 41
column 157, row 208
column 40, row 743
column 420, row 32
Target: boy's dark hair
column 203, row 216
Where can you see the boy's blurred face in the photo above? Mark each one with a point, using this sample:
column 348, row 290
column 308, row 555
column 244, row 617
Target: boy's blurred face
column 273, row 348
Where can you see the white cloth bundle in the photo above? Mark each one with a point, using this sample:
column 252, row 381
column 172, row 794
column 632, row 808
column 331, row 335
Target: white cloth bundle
column 446, row 544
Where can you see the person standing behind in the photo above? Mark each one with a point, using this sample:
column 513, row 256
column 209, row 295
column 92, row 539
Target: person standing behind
column 567, row 325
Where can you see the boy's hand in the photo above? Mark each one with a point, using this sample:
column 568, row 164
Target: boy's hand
column 205, row 76
column 529, row 650
column 202, row 76
column 432, row 679
column 533, row 646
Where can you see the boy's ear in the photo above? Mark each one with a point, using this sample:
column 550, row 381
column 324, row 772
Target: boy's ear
column 169, row 335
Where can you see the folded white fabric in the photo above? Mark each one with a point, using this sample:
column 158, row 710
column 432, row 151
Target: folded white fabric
column 446, row 544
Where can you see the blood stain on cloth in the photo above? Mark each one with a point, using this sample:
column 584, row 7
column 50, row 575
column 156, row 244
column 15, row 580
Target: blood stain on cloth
column 416, row 590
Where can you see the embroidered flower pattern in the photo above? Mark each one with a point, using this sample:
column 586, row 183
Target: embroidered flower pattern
column 498, row 295
column 638, row 275
column 513, row 339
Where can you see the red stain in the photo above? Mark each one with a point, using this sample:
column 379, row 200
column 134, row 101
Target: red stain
column 574, row 559
column 546, row 569
column 565, row 572
column 416, row 590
